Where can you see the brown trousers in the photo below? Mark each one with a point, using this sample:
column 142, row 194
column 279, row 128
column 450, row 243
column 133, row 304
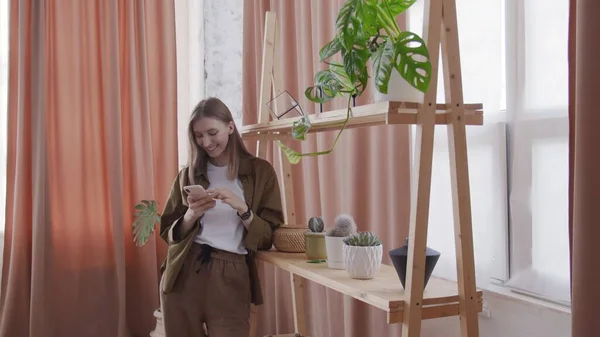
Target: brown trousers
column 215, row 292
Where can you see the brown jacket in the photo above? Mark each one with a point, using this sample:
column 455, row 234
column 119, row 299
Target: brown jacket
column 261, row 191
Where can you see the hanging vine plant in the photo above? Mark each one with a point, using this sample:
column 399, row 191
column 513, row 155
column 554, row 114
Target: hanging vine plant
column 365, row 30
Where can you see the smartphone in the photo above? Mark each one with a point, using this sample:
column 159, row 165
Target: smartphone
column 196, row 191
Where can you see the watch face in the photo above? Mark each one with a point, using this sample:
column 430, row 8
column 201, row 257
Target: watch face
column 246, row 215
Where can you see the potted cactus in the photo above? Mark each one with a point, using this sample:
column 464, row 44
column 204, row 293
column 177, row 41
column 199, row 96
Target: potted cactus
column 363, row 252
column 315, row 240
column 344, row 225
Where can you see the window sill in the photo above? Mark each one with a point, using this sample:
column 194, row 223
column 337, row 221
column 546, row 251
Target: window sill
column 510, row 294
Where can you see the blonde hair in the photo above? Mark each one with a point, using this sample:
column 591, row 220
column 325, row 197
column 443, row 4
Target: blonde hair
column 213, row 107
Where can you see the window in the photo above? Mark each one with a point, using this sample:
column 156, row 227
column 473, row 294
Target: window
column 514, row 61
column 4, row 44
column 538, row 156
column 481, row 36
column 189, row 17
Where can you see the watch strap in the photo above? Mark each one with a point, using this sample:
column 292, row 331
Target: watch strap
column 246, row 215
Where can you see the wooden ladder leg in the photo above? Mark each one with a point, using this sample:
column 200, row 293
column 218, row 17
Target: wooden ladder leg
column 459, row 173
column 263, row 114
column 287, row 185
column 298, row 301
column 253, row 321
column 265, row 79
column 421, row 180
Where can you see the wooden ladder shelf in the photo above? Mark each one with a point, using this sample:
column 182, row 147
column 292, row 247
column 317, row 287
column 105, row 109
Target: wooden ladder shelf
column 439, row 28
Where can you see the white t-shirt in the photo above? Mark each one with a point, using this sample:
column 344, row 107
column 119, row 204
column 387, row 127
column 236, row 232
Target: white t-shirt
column 221, row 227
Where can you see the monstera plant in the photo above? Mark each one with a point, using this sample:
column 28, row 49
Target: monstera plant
column 366, row 30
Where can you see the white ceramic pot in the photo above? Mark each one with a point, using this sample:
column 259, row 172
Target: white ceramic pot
column 399, row 90
column 335, row 253
column 362, row 262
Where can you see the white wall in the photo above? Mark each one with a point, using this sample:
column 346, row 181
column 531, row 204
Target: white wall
column 509, row 315
column 223, row 52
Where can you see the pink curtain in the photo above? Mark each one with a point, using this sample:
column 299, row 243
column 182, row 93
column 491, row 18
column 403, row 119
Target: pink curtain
column 367, row 175
column 585, row 165
column 92, row 131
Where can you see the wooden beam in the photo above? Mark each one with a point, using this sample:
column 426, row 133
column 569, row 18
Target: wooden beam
column 298, row 301
column 384, row 292
column 381, row 113
column 265, row 77
column 459, row 174
column 421, row 180
column 285, row 171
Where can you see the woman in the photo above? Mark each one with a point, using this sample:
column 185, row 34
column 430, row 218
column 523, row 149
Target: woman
column 210, row 277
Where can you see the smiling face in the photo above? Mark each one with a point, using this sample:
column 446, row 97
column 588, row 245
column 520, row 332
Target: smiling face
column 213, row 135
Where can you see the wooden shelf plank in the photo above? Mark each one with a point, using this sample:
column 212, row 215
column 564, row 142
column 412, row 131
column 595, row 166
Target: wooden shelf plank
column 440, row 298
column 380, row 113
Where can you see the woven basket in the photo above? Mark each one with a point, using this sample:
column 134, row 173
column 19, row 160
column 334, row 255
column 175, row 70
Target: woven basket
column 290, row 239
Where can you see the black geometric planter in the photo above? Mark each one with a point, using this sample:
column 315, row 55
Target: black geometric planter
column 399, row 258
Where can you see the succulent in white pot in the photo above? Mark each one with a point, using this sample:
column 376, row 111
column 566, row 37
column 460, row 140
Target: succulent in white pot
column 344, row 225
column 363, row 252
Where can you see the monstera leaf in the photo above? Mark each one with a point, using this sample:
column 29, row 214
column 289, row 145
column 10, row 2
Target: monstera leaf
column 383, row 63
column 146, row 219
column 413, row 60
column 398, row 6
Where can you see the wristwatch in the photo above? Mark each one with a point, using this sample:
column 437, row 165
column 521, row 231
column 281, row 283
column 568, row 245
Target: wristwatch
column 246, row 215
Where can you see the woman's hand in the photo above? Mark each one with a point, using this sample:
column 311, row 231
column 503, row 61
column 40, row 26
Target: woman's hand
column 197, row 208
column 228, row 197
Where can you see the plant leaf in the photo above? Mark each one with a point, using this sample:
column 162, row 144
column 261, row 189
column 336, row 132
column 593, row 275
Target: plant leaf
column 355, row 65
column 412, row 60
column 346, row 24
column 398, row 6
column 330, row 49
column 300, row 127
column 342, row 77
column 366, row 14
column 386, row 19
column 295, row 156
column 292, row 155
column 326, row 87
column 356, row 24
column 383, row 63
column 146, row 219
